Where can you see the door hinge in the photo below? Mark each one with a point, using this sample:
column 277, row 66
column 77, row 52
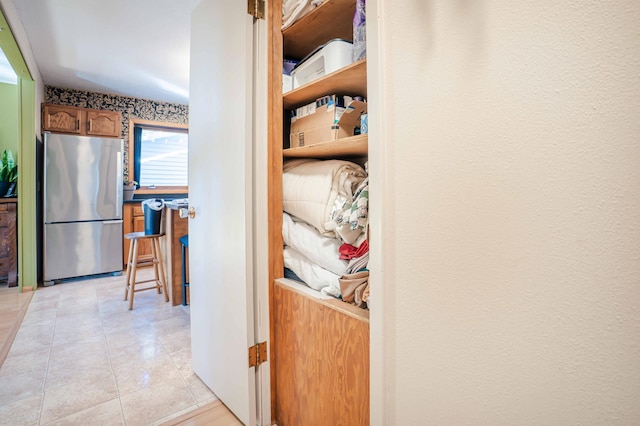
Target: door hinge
column 256, row 8
column 258, row 354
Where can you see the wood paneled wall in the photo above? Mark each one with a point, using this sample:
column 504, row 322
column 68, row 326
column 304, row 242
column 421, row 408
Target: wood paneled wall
column 321, row 353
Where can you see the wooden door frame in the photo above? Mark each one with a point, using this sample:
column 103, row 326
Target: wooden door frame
column 274, row 162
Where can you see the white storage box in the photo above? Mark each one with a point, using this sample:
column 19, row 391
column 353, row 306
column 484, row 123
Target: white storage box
column 326, row 59
column 287, row 83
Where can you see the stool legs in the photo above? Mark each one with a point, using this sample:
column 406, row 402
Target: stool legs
column 132, row 268
column 156, row 242
column 128, row 276
column 156, row 272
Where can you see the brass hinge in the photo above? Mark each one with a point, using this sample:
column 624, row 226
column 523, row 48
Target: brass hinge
column 257, row 354
column 256, row 8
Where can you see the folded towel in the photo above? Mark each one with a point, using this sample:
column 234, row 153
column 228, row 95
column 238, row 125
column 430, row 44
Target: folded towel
column 292, row 10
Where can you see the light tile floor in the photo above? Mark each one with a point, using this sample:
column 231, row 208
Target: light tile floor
column 82, row 358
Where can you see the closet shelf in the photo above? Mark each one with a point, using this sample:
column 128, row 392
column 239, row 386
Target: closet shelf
column 332, row 19
column 330, row 302
column 346, row 147
column 353, row 76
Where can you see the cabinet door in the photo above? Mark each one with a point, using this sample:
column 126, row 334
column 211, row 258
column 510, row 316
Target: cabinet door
column 63, row 119
column 103, row 123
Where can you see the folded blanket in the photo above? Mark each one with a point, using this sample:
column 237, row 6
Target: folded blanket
column 319, row 249
column 313, row 275
column 358, row 264
column 311, row 188
column 292, row 10
column 350, row 217
column 355, row 288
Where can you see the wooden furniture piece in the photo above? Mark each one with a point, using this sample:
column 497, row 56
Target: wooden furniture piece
column 174, row 228
column 132, row 266
column 81, row 121
column 317, row 344
column 8, row 241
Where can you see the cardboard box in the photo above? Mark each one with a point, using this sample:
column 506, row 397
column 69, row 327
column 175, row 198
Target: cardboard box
column 328, row 122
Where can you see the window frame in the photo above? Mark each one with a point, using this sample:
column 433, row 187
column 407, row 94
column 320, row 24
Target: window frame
column 154, row 125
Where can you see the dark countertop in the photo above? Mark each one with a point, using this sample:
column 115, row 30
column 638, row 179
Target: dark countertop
column 166, row 197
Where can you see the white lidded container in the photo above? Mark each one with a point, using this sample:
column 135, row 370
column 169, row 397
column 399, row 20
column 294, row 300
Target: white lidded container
column 329, row 57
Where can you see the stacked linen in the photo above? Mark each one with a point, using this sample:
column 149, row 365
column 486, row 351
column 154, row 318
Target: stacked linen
column 312, row 257
column 325, row 205
column 311, row 190
column 292, row 10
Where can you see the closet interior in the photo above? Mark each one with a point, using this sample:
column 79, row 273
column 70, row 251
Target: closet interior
column 319, row 343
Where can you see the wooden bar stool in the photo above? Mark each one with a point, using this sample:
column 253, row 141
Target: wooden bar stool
column 132, row 266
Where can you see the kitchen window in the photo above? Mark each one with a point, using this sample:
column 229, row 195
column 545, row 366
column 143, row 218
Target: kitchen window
column 160, row 155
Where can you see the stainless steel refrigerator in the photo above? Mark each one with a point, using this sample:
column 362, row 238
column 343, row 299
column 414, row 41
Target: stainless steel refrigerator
column 82, row 206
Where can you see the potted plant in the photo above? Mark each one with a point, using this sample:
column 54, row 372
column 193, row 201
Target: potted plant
column 8, row 172
column 129, row 189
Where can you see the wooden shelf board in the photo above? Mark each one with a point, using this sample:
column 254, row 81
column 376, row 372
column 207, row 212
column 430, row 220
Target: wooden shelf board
column 332, row 19
column 345, row 147
column 331, row 302
column 353, row 76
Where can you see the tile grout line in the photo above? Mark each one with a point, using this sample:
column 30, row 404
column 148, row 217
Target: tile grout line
column 46, row 373
column 108, row 349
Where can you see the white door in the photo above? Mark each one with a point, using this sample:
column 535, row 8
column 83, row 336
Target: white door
column 221, row 192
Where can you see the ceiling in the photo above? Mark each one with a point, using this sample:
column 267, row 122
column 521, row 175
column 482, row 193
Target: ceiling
column 136, row 48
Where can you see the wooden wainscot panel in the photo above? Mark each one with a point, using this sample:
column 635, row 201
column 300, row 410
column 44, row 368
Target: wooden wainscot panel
column 175, row 228
column 8, row 241
column 322, row 356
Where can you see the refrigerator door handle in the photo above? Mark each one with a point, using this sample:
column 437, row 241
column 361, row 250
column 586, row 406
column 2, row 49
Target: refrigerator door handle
column 119, row 184
column 111, row 222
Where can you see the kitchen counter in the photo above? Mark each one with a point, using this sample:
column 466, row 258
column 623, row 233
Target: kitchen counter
column 175, row 227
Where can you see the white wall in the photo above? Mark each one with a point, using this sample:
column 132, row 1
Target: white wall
column 509, row 285
column 19, row 33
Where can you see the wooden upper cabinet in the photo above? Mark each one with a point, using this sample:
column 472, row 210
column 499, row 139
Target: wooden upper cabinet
column 81, row 121
column 103, row 123
column 61, row 119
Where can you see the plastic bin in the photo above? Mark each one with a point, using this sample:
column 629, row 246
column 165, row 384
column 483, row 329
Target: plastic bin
column 152, row 209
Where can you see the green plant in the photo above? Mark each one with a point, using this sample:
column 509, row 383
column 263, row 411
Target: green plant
column 8, row 167
column 130, row 183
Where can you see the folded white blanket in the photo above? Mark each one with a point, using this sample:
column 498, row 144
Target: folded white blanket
column 313, row 275
column 310, row 189
column 320, row 250
column 292, row 10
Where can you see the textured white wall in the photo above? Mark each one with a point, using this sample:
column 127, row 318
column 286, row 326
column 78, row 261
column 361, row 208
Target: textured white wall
column 511, row 222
